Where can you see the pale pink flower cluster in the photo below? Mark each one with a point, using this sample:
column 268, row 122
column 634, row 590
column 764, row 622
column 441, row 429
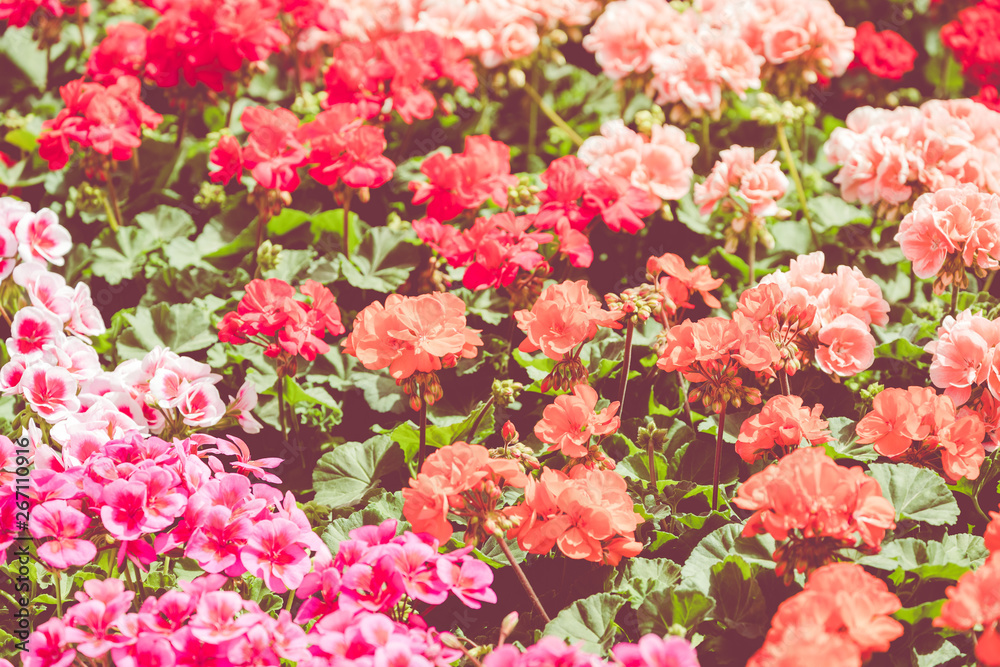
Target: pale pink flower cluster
column 808, row 35
column 759, row 184
column 31, row 236
column 659, row 164
column 847, row 305
column 965, row 357
column 961, row 223
column 494, row 31
column 693, row 59
column 886, row 155
column 56, row 370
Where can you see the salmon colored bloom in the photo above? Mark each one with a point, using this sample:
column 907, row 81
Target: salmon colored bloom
column 842, row 614
column 920, row 427
column 816, row 505
column 976, row 601
column 412, row 334
column 846, row 347
column 460, row 479
column 677, row 284
column 587, row 513
column 782, row 424
column 569, row 423
column 563, row 317
column 992, row 534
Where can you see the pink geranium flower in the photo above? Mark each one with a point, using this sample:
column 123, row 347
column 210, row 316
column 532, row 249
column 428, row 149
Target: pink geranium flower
column 57, row 520
column 41, row 238
column 274, row 553
column 51, row 391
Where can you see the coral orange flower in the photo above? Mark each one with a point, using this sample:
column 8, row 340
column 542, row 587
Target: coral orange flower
column 816, row 508
column 782, row 424
column 976, row 601
column 569, row 423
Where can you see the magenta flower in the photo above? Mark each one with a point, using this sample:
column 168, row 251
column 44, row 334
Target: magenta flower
column 654, row 651
column 372, row 586
column 274, row 553
column 469, row 579
column 215, row 622
column 51, row 391
column 217, row 542
column 48, row 646
column 123, row 512
column 56, row 519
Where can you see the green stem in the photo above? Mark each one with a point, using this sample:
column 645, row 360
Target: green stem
column 706, row 144
column 533, row 118
column 57, row 576
column 718, row 457
column 752, row 256
column 479, row 417
column 954, row 297
column 552, row 115
column 783, row 379
column 794, row 171
column 291, row 599
column 989, row 281
column 347, row 222
column 281, row 407
column 626, row 364
column 114, row 203
column 520, row 576
column 423, row 433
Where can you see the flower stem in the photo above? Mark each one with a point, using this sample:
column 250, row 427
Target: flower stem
column 706, row 144
column 115, row 214
column 752, row 258
column 56, row 577
column 783, row 379
column 552, row 115
column 684, row 399
column 954, row 298
column 626, row 363
column 423, row 434
column 523, row 579
column 718, row 457
column 281, row 407
column 794, row 171
column 347, row 222
column 479, row 417
column 989, row 282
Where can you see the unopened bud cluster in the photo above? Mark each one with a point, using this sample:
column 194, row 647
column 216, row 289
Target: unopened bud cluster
column 422, row 388
column 772, row 112
column 506, row 392
column 567, row 374
column 637, row 303
column 647, row 119
column 268, row 256
column 650, row 437
column 522, row 195
column 210, row 194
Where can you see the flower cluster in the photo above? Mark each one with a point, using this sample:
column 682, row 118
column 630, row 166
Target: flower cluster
column 463, row 480
column 966, row 366
column 748, row 190
column 270, row 316
column 413, row 335
column 885, row 54
column 816, row 508
column 18, row 14
column 972, row 38
column 345, row 150
column 121, row 53
column 200, row 622
column 842, row 613
column 587, row 513
column 564, row 317
column 272, row 152
column 105, row 119
column 921, row 427
column 711, row 351
column 651, row 651
column 392, row 73
column 781, row 426
column 465, row 181
column 658, row 164
column 376, row 569
column 568, row 424
column 833, row 311
column 950, row 230
column 975, row 601
column 494, row 250
column 34, row 237
column 208, row 42
column 675, row 284
column 888, row 155
column 697, row 54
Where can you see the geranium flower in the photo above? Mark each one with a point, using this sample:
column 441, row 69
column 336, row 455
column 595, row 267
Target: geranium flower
column 569, row 423
column 63, row 523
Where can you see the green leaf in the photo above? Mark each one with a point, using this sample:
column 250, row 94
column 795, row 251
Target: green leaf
column 948, row 559
column 382, row 262
column 165, row 223
column 23, row 139
column 916, row 493
column 344, row 476
column 739, row 600
column 120, row 257
column 408, row 433
column 661, row 610
column 379, row 508
column 914, row 615
column 491, row 553
column 831, row 212
column 288, row 220
column 588, row 622
column 933, row 650
column 637, row 578
column 843, row 443
column 718, row 545
column 181, row 327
